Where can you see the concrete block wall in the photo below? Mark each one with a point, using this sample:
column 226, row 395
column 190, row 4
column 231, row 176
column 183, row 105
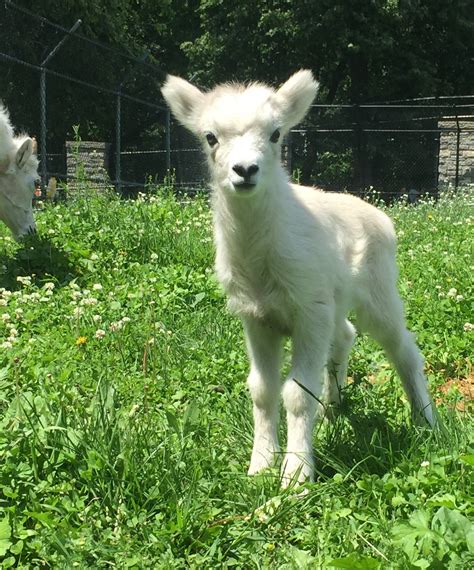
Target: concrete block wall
column 448, row 152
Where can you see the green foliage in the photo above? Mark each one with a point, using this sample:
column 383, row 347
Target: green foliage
column 361, row 50
column 126, row 427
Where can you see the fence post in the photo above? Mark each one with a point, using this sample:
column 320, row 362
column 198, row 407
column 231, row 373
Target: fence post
column 43, row 126
column 458, row 141
column 358, row 175
column 168, row 142
column 43, row 133
column 118, row 136
column 118, row 125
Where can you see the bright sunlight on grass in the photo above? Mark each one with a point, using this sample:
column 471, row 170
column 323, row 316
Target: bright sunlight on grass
column 126, row 427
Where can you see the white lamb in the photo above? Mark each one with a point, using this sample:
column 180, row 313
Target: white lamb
column 294, row 260
column 18, row 171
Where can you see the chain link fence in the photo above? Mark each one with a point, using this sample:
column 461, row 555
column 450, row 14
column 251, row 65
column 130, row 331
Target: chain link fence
column 106, row 124
column 408, row 147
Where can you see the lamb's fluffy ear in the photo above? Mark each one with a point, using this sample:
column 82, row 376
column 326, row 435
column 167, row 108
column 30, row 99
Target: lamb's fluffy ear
column 183, row 99
column 295, row 96
column 23, row 153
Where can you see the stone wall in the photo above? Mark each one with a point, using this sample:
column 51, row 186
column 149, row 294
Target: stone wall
column 87, row 164
column 448, row 152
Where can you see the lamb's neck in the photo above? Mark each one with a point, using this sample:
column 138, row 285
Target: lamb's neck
column 244, row 220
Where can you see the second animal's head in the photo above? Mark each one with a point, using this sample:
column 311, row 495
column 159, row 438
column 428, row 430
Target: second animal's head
column 241, row 126
column 18, row 172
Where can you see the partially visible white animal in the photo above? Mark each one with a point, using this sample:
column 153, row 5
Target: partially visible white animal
column 18, row 172
column 294, row 260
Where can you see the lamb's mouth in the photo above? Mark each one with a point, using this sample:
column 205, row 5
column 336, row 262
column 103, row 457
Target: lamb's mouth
column 244, row 186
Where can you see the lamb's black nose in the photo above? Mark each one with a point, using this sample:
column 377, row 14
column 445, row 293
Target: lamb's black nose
column 245, row 171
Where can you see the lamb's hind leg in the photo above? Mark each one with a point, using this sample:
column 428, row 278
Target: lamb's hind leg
column 344, row 336
column 264, row 348
column 385, row 322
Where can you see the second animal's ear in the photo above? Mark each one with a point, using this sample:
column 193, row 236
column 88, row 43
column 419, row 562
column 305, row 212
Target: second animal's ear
column 295, row 96
column 184, row 100
column 24, row 153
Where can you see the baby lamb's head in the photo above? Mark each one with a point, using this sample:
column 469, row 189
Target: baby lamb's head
column 241, row 126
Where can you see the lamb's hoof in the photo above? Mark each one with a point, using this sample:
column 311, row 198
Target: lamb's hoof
column 261, row 461
column 296, row 470
column 426, row 417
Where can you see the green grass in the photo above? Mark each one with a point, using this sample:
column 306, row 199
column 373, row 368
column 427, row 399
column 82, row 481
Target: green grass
column 126, row 425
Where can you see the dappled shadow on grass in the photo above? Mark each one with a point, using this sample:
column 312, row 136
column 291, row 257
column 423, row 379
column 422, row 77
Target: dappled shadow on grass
column 38, row 258
column 364, row 440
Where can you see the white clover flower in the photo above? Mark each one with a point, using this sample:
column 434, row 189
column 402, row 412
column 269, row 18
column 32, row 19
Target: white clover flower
column 125, row 320
column 51, row 232
column 18, row 313
column 99, row 333
column 97, row 287
column 3, row 302
column 90, row 301
column 6, row 294
column 425, row 464
column 116, row 326
column 13, row 332
column 468, row 327
column 154, row 256
column 6, row 344
column 49, row 286
column 6, row 317
column 97, row 318
column 26, row 280
column 459, row 298
column 44, row 299
column 452, row 292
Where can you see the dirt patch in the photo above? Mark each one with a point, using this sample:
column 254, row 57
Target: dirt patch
column 454, row 386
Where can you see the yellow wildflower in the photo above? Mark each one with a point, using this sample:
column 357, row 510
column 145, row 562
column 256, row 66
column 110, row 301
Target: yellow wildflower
column 81, row 340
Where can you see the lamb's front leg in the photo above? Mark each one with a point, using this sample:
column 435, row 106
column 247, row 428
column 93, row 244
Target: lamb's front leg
column 264, row 348
column 312, row 336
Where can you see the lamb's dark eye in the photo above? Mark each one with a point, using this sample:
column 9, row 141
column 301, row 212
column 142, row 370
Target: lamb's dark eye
column 275, row 136
column 211, row 139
